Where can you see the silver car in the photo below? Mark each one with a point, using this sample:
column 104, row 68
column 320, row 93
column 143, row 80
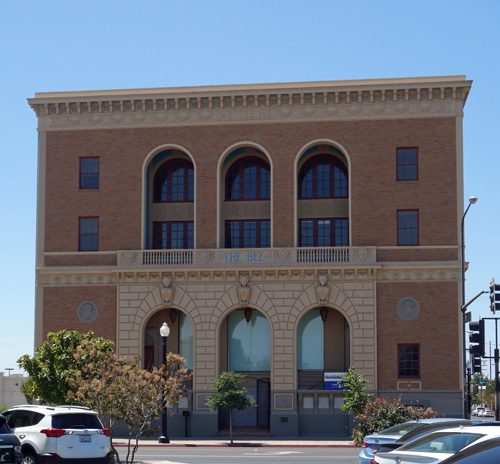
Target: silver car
column 435, row 447
column 397, row 435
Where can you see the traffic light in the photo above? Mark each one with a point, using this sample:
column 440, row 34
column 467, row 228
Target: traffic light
column 477, row 336
column 494, row 296
column 476, row 365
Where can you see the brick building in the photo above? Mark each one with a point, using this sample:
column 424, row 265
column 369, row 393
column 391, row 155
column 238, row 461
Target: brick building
column 287, row 231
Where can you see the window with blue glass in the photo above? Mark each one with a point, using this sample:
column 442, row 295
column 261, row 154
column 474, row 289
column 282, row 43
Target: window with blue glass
column 174, row 182
column 89, row 173
column 408, row 227
column 310, row 342
column 323, row 176
column 407, row 163
column 88, row 239
column 186, row 340
column 248, row 234
column 249, row 342
column 324, row 232
column 248, row 178
column 170, row 235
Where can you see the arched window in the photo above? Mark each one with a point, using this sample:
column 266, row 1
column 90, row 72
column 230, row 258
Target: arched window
column 174, row 181
column 310, row 342
column 248, row 178
column 249, row 341
column 323, row 176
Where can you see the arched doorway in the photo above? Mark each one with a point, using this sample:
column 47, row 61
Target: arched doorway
column 245, row 347
column 323, row 341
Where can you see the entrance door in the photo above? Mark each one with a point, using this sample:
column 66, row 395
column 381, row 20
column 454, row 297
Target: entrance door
column 257, row 416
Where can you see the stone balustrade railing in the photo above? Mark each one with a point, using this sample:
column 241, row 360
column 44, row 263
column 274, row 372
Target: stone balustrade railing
column 247, row 256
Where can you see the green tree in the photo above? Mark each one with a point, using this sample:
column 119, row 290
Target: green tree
column 230, row 394
column 120, row 391
column 356, row 397
column 54, row 362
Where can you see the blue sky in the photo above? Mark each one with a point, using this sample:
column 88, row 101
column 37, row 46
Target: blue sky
column 108, row 44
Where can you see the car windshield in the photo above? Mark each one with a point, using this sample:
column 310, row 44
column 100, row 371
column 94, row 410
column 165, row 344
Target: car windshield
column 4, row 430
column 76, row 421
column 400, row 429
column 441, row 442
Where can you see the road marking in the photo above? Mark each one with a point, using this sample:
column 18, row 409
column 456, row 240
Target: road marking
column 274, row 453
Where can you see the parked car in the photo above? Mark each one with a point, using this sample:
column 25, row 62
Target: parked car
column 65, row 433
column 435, row 447
column 401, row 434
column 488, row 413
column 485, row 452
column 477, row 411
column 10, row 446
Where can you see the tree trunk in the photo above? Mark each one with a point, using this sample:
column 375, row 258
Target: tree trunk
column 231, row 425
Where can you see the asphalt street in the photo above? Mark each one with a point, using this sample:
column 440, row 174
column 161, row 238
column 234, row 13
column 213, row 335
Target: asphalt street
column 245, row 455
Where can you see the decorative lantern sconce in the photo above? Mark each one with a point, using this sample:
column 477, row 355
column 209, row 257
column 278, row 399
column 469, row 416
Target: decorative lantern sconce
column 173, row 315
column 323, row 313
column 248, row 314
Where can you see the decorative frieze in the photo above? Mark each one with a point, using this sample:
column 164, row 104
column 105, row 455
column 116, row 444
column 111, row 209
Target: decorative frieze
column 418, row 273
column 381, row 98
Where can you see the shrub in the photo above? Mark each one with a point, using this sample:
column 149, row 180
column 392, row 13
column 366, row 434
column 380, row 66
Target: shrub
column 381, row 414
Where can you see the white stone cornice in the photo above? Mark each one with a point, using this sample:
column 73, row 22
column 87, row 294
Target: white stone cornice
column 262, row 103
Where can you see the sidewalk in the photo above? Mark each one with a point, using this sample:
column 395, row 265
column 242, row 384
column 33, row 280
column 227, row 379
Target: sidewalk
column 242, row 442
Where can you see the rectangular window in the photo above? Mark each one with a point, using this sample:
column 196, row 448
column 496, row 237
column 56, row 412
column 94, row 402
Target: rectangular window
column 173, row 235
column 89, row 173
column 88, row 234
column 407, row 163
column 324, row 232
column 408, row 227
column 248, row 234
column 409, row 361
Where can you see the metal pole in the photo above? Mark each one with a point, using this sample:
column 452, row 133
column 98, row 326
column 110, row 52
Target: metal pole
column 462, row 309
column 164, row 435
column 497, row 380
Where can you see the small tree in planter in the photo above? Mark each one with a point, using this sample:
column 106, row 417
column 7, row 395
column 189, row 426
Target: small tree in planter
column 230, row 394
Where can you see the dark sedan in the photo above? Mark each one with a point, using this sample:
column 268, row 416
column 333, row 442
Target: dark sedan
column 10, row 447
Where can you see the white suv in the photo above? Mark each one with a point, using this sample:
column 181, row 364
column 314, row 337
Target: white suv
column 70, row 434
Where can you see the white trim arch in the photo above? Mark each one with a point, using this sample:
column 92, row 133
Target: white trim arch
column 298, row 156
column 145, row 166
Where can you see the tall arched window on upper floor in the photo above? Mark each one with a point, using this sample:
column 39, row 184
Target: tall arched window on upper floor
column 170, row 200
column 246, row 217
column 323, row 198
column 174, row 181
column 323, row 176
column 248, row 178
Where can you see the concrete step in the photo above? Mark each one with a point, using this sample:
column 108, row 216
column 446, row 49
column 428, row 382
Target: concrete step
column 246, row 432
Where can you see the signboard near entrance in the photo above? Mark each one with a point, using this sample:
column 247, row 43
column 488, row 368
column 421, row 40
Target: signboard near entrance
column 331, row 380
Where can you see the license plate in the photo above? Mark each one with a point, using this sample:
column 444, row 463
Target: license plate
column 85, row 438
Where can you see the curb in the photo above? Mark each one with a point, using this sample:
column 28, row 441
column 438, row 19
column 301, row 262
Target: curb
column 236, row 445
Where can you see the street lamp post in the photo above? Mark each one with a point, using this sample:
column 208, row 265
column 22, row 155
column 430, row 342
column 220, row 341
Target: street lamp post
column 472, row 200
column 164, row 332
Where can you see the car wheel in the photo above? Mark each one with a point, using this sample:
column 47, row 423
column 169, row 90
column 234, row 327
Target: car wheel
column 29, row 458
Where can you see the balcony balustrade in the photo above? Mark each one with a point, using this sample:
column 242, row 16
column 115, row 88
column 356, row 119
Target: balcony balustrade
column 247, row 256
